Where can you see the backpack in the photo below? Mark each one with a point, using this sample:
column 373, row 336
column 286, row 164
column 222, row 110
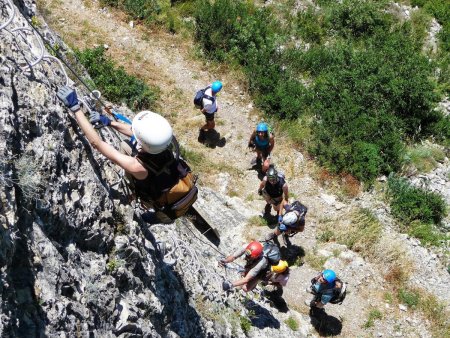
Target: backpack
column 200, row 95
column 170, row 185
column 272, row 253
column 299, row 207
column 339, row 294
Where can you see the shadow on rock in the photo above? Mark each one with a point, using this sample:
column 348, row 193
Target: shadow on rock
column 276, row 298
column 212, row 139
column 261, row 318
column 325, row 325
column 293, row 254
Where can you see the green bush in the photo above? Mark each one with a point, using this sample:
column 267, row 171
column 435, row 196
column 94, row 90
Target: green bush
column 233, row 29
column 138, row 9
column 409, row 203
column 114, row 82
column 355, row 18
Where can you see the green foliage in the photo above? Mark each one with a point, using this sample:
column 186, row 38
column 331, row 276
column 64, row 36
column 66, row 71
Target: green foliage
column 355, row 18
column 409, row 203
column 112, row 265
column 292, row 323
column 257, row 221
column 246, row 324
column 409, row 297
column 310, row 26
column 374, row 314
column 427, row 233
column 146, row 10
column 114, row 82
column 233, row 29
column 363, row 85
column 424, row 157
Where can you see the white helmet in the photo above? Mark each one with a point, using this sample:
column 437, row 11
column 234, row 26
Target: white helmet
column 290, row 218
column 152, row 131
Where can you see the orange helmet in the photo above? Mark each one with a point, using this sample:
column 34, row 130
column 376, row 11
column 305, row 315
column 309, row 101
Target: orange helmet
column 253, row 250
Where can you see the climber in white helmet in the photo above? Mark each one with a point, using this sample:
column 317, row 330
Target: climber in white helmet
column 160, row 177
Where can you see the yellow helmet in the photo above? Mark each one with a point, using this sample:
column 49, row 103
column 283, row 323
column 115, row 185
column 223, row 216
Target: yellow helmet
column 280, row 268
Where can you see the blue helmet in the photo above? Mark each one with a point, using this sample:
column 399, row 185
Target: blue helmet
column 262, row 126
column 216, row 86
column 329, row 275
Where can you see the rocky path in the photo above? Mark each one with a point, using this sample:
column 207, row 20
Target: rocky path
column 165, row 60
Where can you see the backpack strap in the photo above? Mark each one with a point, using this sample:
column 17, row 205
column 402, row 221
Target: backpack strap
column 212, row 99
column 165, row 168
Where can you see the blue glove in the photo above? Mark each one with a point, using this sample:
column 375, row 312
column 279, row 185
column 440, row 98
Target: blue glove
column 280, row 219
column 282, row 227
column 99, row 120
column 227, row 285
column 69, row 97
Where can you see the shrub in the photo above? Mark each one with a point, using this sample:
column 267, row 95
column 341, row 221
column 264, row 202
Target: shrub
column 137, row 9
column 228, row 28
column 409, row 203
column 114, row 82
column 355, row 18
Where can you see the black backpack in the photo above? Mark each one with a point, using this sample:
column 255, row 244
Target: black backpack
column 300, row 208
column 339, row 294
column 272, row 253
column 200, row 95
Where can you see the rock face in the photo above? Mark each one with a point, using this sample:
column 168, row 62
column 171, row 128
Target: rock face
column 74, row 258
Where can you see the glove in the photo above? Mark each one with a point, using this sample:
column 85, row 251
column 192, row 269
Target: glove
column 69, row 97
column 314, row 280
column 260, row 192
column 99, row 120
column 282, row 227
column 227, row 285
column 251, row 145
column 280, row 218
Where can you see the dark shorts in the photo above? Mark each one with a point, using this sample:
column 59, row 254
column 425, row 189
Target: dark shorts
column 264, row 151
column 209, row 117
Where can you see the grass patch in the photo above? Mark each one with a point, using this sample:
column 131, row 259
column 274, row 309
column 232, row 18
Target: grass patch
column 428, row 234
column 424, row 157
column 292, row 323
column 361, row 233
column 314, row 260
column 408, row 297
column 114, row 82
column 373, row 315
column 257, row 221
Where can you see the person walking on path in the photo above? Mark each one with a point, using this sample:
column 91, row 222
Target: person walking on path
column 275, row 191
column 262, row 142
column 208, row 106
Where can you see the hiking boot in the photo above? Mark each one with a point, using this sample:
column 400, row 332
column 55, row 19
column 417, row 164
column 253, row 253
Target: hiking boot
column 201, row 136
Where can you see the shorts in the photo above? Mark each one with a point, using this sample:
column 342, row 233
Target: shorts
column 264, row 152
column 272, row 200
column 209, row 117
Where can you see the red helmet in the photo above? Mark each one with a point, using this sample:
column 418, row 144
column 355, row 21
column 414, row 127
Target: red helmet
column 253, row 250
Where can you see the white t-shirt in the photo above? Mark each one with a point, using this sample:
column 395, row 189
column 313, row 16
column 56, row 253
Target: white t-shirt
column 208, row 105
